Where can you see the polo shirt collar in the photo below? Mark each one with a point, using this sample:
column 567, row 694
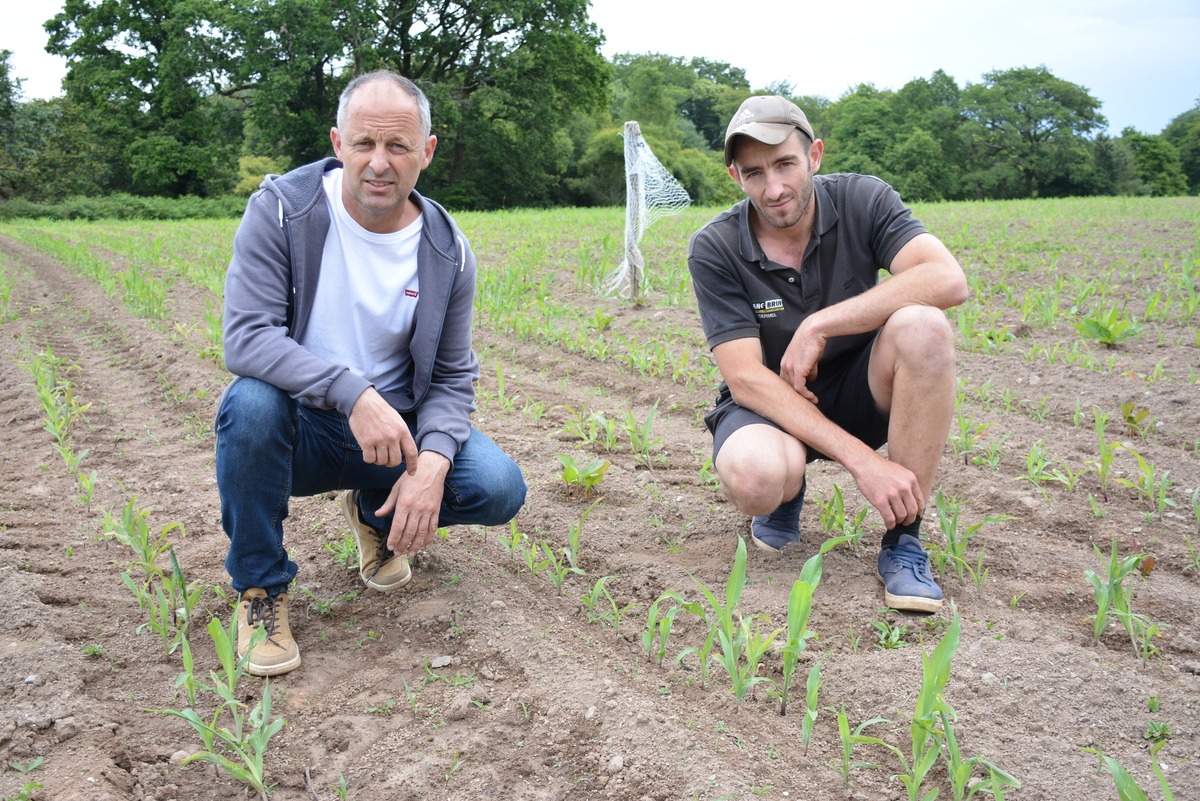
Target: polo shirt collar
column 827, row 217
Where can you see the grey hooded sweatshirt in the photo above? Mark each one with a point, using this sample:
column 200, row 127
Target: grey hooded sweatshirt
column 271, row 285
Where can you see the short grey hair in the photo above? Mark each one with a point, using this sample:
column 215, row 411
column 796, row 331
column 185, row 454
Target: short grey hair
column 396, row 78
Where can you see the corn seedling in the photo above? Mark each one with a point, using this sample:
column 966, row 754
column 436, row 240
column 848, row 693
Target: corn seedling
column 603, row 431
column 580, row 476
column 1039, row 469
column 812, row 689
column 87, row 488
column 574, row 547
column 26, row 792
column 1127, row 788
column 659, row 621
column 1107, row 450
column 966, row 435
column 926, row 737
column 456, row 763
column 961, row 770
column 852, row 739
column 741, row 654
column 557, row 569
column 1193, row 558
column 1111, row 595
column 513, row 543
column 957, row 537
column 601, row 607
column 835, row 521
column 171, row 604
column 238, row 748
column 342, row 788
column 800, row 604
column 580, row 424
column 719, row 619
column 1152, row 488
column 708, row 476
column 641, row 443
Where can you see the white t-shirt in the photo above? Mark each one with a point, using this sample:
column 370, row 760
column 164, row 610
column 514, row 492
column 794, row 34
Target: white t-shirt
column 366, row 297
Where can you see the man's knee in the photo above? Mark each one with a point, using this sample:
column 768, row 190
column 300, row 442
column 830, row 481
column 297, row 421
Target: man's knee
column 921, row 332
column 755, row 483
column 251, row 406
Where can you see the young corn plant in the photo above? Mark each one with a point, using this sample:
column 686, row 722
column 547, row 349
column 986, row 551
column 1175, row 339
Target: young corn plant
column 660, row 619
column 852, row 739
column 1127, row 788
column 1152, row 487
column 720, row 622
column 641, row 442
column 1113, row 597
column 961, row 771
column 957, row 537
column 604, row 431
column 1107, row 451
column 812, row 689
column 602, row 608
column 926, row 737
column 574, row 547
column 835, row 521
column 237, row 747
column 800, row 604
column 966, row 435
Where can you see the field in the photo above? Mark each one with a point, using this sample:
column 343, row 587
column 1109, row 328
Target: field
column 603, row 645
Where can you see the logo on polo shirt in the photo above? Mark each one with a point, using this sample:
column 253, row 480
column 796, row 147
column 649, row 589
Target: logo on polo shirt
column 768, row 308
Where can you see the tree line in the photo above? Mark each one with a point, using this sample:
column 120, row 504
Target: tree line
column 201, row 98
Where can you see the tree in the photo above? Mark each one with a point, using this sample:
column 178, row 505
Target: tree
column 143, row 75
column 10, row 92
column 1184, row 133
column 1028, row 124
column 1156, row 163
column 862, row 128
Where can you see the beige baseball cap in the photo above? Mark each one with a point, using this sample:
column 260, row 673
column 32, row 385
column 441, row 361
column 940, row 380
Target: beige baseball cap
column 768, row 118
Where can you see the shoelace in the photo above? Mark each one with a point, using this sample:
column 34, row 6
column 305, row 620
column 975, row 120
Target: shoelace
column 382, row 554
column 918, row 562
column 263, row 609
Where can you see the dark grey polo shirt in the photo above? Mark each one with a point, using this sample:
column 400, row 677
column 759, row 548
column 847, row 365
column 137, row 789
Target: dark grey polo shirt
column 860, row 226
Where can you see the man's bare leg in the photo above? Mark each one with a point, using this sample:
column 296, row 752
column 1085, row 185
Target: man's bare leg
column 762, row 472
column 912, row 377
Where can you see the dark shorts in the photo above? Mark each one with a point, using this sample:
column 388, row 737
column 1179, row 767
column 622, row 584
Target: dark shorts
column 843, row 395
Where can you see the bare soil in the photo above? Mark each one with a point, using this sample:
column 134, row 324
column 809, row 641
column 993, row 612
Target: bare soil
column 532, row 700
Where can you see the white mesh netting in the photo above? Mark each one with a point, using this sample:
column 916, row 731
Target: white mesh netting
column 651, row 192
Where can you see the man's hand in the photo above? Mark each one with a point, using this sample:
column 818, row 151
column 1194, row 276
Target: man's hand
column 414, row 503
column 381, row 432
column 799, row 363
column 893, row 490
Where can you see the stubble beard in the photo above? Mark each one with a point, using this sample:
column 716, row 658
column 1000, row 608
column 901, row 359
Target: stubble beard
column 779, row 223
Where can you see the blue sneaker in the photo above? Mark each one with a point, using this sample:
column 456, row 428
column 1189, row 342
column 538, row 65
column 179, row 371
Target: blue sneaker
column 907, row 582
column 772, row 532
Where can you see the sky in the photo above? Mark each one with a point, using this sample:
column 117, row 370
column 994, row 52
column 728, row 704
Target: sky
column 1140, row 59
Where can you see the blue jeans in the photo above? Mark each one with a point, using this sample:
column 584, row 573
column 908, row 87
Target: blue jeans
column 271, row 448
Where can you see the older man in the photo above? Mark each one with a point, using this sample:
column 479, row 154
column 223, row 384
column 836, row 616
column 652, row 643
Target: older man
column 348, row 323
